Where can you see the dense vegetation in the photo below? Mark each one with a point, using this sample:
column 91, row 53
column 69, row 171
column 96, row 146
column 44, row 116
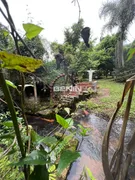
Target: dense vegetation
column 23, row 152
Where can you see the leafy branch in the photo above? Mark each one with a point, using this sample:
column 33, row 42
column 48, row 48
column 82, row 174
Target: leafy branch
column 11, row 23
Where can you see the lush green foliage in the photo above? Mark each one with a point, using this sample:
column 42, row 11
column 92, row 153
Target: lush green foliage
column 37, row 158
column 100, row 57
column 104, row 54
column 120, row 14
column 23, row 152
column 6, row 171
column 72, row 35
column 33, row 153
column 35, row 45
column 6, row 41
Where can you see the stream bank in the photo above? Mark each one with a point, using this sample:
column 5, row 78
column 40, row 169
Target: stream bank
column 91, row 147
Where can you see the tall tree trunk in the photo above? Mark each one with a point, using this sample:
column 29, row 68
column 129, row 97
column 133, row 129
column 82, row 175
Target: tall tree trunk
column 119, row 60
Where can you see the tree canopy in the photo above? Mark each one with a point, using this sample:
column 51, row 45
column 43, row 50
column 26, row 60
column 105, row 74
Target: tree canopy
column 120, row 14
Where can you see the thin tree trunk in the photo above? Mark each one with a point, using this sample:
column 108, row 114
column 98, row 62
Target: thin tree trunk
column 119, row 62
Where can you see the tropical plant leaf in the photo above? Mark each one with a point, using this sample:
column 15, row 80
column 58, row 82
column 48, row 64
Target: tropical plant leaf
column 131, row 53
column 66, row 158
column 37, row 139
column 70, row 121
column 34, row 136
column 9, row 83
column 83, row 131
column 36, row 157
column 40, row 173
column 32, row 30
column 62, row 121
column 8, row 123
column 25, row 138
column 48, row 140
column 20, row 63
column 63, row 144
column 19, row 119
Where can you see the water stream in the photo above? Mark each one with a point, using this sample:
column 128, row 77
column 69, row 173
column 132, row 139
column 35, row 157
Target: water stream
column 91, row 147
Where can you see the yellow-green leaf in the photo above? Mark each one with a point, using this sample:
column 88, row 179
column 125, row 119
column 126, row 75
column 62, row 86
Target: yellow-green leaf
column 32, row 30
column 66, row 158
column 131, row 53
column 9, row 83
column 6, row 33
column 20, row 63
column 62, row 121
column 52, row 168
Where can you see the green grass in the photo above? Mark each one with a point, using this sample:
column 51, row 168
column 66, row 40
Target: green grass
column 107, row 104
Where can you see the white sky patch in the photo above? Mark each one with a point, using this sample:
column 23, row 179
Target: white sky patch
column 56, row 15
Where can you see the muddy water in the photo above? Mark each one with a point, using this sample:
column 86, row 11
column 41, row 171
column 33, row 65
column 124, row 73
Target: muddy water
column 91, row 147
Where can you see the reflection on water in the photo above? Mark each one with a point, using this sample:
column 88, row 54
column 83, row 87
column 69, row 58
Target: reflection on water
column 91, row 146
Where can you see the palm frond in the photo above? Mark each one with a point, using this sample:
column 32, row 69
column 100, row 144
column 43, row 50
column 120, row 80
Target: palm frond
column 108, row 9
column 127, row 13
column 120, row 13
column 107, row 27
